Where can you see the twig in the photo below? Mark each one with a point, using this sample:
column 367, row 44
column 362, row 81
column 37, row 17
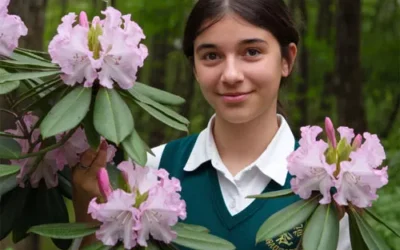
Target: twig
column 49, row 148
column 5, row 134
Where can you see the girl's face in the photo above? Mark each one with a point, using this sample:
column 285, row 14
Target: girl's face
column 239, row 68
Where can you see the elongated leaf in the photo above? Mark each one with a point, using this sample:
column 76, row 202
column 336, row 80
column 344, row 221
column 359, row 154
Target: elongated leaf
column 112, row 117
column 20, row 59
column 134, row 147
column 9, row 148
column 7, row 87
column 376, row 217
column 64, row 230
column 11, row 207
column 97, row 246
column 153, row 246
column 158, row 95
column 7, row 183
column 30, row 54
column 8, row 169
column 274, row 194
column 201, row 240
column 91, row 134
column 26, row 75
column 64, row 186
column 322, row 230
column 160, row 107
column 67, row 113
column 356, row 239
column 163, row 118
column 371, row 238
column 190, row 227
column 286, row 219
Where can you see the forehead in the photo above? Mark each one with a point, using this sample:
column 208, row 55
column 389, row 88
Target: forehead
column 230, row 29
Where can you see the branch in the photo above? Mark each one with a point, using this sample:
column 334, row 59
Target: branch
column 5, row 134
column 45, row 150
column 391, row 118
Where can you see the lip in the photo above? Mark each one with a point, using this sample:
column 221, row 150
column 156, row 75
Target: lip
column 235, row 97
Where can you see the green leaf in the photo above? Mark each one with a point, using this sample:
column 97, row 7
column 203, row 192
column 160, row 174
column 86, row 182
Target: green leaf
column 64, row 186
column 162, row 108
column 7, row 87
column 20, row 59
column 163, row 118
column 64, row 230
column 112, row 117
column 274, row 194
column 190, row 227
column 67, row 113
column 152, row 246
column 322, row 230
column 286, row 219
column 27, row 75
column 135, row 147
column 9, row 148
column 376, row 217
column 97, row 246
column 11, row 206
column 371, row 238
column 356, row 239
column 7, row 183
column 8, row 169
column 91, row 134
column 201, row 240
column 158, row 95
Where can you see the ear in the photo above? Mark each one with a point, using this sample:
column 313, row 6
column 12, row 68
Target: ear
column 287, row 65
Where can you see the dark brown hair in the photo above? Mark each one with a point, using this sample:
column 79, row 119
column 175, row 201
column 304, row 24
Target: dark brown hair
column 272, row 15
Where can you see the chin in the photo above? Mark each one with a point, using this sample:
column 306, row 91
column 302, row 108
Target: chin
column 237, row 116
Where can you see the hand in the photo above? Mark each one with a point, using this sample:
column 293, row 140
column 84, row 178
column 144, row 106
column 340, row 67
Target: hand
column 84, row 184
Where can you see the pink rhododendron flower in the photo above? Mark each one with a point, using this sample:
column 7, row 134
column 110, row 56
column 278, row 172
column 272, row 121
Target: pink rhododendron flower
column 11, row 29
column 352, row 166
column 150, row 206
column 309, row 166
column 357, row 181
column 108, row 50
column 69, row 153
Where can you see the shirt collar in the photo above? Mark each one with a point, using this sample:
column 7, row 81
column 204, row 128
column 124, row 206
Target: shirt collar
column 279, row 149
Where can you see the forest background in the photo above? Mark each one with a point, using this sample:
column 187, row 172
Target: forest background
column 348, row 68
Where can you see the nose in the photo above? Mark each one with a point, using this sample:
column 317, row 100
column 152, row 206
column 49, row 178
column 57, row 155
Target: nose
column 232, row 73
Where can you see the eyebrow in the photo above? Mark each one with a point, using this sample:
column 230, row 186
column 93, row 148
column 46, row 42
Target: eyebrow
column 242, row 42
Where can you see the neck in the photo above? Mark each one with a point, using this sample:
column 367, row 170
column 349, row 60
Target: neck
column 241, row 144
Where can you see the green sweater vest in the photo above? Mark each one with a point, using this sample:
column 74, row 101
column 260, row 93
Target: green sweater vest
column 206, row 206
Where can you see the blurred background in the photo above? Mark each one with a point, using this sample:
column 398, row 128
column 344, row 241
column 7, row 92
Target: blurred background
column 348, row 68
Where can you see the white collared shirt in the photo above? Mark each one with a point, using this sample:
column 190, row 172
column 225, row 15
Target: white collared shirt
column 253, row 178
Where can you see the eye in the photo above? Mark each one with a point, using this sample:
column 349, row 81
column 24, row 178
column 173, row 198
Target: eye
column 210, row 56
column 252, row 52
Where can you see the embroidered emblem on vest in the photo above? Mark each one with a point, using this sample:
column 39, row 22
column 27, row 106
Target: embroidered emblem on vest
column 288, row 240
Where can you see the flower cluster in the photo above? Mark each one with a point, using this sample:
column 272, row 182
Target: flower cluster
column 107, row 50
column 11, row 29
column 351, row 166
column 148, row 204
column 53, row 161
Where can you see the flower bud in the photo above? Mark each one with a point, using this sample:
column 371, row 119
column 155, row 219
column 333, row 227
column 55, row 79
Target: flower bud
column 83, row 20
column 330, row 131
column 104, row 183
column 357, row 142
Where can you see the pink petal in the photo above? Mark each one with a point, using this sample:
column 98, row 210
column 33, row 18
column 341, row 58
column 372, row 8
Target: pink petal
column 330, row 131
column 11, row 29
column 347, row 133
column 104, row 182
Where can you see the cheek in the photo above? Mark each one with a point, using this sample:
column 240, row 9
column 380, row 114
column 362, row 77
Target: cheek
column 266, row 74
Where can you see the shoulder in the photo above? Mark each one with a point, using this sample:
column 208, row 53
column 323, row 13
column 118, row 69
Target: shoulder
column 182, row 144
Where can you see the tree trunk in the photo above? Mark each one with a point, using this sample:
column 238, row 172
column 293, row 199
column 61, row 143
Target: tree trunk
column 32, row 12
column 348, row 84
column 323, row 31
column 302, row 88
column 160, row 49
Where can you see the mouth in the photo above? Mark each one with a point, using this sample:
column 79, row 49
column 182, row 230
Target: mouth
column 235, row 97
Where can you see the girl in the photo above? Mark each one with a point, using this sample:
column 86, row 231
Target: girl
column 240, row 51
